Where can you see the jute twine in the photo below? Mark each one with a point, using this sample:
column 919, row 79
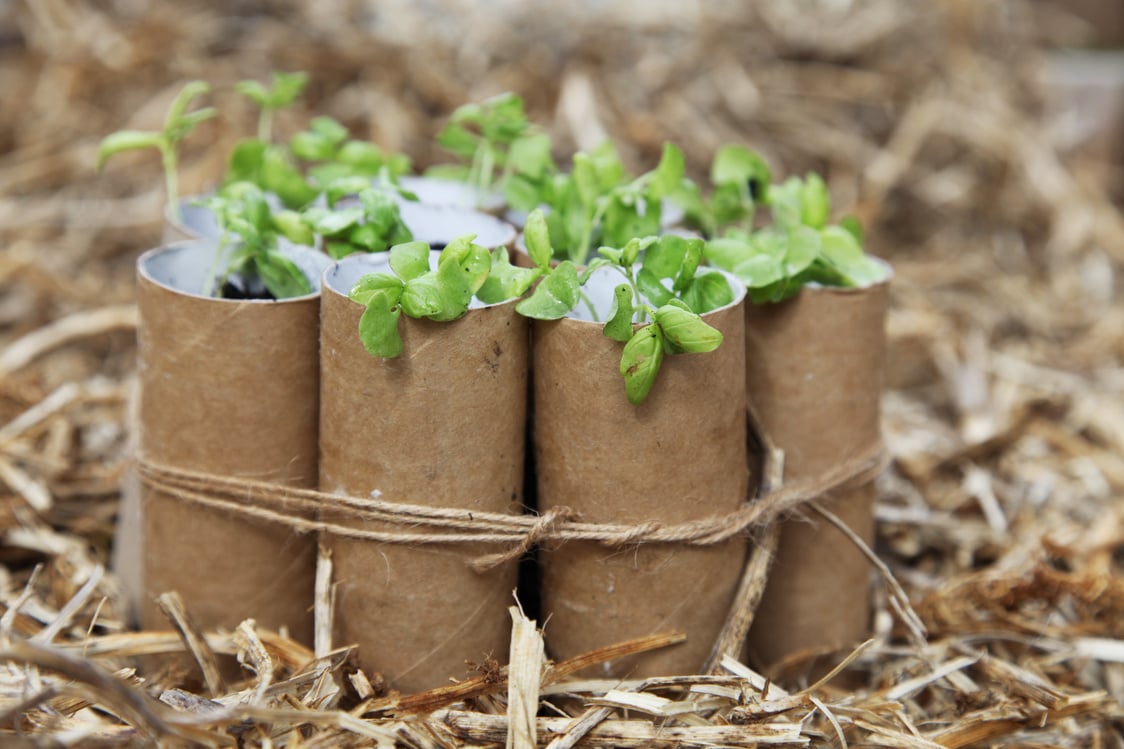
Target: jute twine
column 305, row 511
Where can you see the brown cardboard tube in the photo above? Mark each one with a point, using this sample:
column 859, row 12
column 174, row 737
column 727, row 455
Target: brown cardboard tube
column 814, row 379
column 229, row 388
column 441, row 425
column 679, row 456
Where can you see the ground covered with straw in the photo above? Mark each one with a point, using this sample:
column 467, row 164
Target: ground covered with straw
column 1001, row 516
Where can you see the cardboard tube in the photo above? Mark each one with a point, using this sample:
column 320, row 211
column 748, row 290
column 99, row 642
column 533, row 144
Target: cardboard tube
column 441, row 425
column 814, row 379
column 230, row 388
column 679, row 456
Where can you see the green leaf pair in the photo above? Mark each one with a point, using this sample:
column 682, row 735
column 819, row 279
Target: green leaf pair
column 674, row 330
column 464, row 269
column 178, row 122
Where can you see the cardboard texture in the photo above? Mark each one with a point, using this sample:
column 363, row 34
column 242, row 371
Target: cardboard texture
column 441, row 425
column 679, row 456
column 814, row 369
column 229, row 388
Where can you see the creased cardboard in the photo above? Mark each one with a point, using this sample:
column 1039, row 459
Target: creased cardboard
column 814, row 368
column 679, row 456
column 228, row 388
column 441, row 425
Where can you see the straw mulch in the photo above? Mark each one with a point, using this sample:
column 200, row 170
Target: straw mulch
column 1001, row 516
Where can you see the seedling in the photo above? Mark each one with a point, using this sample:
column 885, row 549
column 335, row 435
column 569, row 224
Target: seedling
column 464, row 269
column 255, row 268
column 336, row 156
column 593, row 204
column 799, row 248
column 504, row 151
column 269, row 165
column 284, row 91
column 656, row 311
column 368, row 221
column 740, row 179
column 177, row 124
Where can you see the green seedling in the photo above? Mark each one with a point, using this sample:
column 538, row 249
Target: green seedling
column 177, row 124
column 504, row 151
column 798, row 248
column 244, row 215
column 593, row 204
column 656, row 311
column 370, row 221
column 464, row 269
column 740, row 180
column 334, row 155
column 285, row 89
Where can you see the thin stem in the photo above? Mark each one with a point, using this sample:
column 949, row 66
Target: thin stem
column 583, row 249
column 171, row 182
column 487, row 167
column 209, row 282
column 589, row 306
column 265, row 125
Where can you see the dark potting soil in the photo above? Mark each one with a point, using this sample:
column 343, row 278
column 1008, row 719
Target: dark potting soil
column 239, row 286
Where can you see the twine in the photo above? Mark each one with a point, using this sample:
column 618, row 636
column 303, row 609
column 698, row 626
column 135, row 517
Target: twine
column 308, row 511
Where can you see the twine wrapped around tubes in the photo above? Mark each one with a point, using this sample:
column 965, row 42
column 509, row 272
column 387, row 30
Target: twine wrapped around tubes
column 300, row 509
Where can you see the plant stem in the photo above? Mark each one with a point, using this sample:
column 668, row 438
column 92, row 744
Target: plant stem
column 171, row 183
column 589, row 306
column 265, row 125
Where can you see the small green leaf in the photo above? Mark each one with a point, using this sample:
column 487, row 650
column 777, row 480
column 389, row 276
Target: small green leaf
column 293, row 227
column 372, row 283
column 557, row 294
column 786, row 202
column 280, row 176
column 454, row 137
column 707, row 292
column 176, row 112
column 685, row 332
column 378, row 327
column 127, row 140
column 652, row 288
column 675, row 258
column 410, row 260
column 854, row 227
column 338, row 250
column 631, row 252
column 640, row 362
column 282, row 276
column 365, row 158
column 619, row 325
column 255, row 91
column 668, row 174
column 759, row 271
column 522, row 193
column 624, row 220
column 530, row 154
column 843, row 252
column 585, row 180
column 246, row 161
column 815, row 203
column 506, row 281
column 727, row 252
column 537, row 238
column 423, row 296
column 804, row 246
column 737, row 165
column 611, row 254
column 311, row 146
column 286, row 88
column 331, row 223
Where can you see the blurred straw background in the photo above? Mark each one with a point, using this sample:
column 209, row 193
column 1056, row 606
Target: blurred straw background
column 950, row 127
